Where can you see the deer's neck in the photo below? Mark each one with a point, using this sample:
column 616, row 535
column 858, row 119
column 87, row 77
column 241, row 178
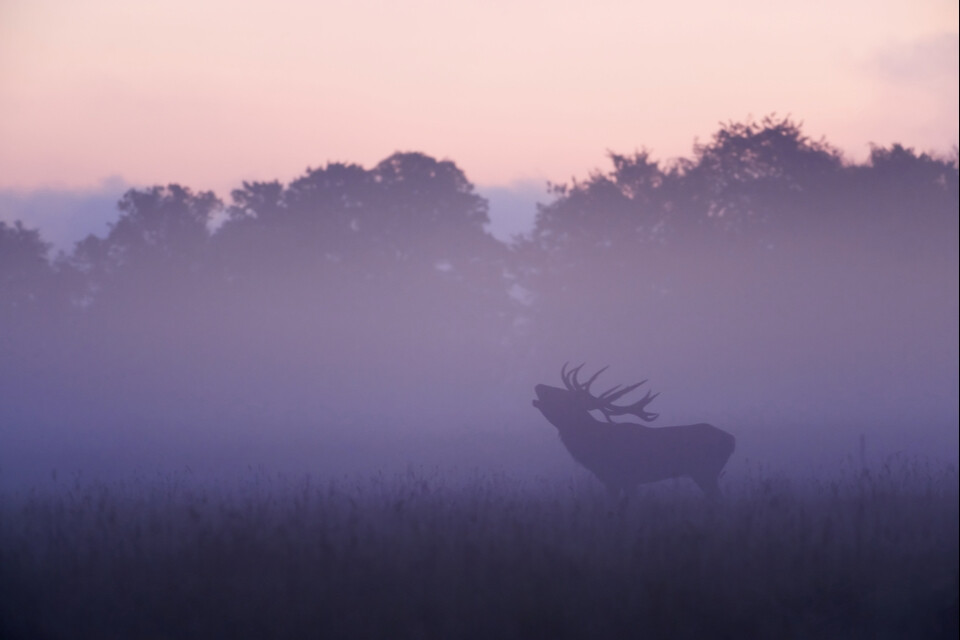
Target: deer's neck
column 575, row 422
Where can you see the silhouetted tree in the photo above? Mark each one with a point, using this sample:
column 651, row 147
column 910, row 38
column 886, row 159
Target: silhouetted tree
column 751, row 179
column 607, row 211
column 142, row 311
column 427, row 211
column 905, row 201
column 25, row 272
column 349, row 234
column 426, row 226
column 757, row 176
column 752, row 225
column 347, row 264
column 33, row 308
column 156, row 249
column 410, row 209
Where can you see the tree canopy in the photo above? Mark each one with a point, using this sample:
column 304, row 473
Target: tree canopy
column 390, row 269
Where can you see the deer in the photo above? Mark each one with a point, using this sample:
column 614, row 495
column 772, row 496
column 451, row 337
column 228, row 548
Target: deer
column 623, row 455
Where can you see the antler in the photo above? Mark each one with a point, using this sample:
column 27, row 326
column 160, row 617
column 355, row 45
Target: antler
column 609, row 409
column 606, row 399
column 570, row 378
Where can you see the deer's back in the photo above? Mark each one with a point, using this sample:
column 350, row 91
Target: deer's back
column 629, row 454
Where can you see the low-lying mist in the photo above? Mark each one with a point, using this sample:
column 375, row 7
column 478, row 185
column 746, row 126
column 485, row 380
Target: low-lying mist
column 356, row 320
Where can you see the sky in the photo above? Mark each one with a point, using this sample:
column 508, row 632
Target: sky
column 209, row 93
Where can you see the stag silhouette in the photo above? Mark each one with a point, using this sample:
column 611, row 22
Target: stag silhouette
column 623, row 455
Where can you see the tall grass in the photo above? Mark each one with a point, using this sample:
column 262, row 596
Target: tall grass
column 423, row 555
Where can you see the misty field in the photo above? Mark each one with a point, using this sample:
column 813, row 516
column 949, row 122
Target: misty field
column 429, row 555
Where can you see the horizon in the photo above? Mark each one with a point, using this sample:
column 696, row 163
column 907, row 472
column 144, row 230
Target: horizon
column 64, row 215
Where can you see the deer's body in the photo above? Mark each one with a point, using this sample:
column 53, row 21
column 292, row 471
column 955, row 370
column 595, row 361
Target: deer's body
column 625, row 455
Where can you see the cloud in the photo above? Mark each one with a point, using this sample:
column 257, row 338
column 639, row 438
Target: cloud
column 931, row 63
column 915, row 92
column 64, row 216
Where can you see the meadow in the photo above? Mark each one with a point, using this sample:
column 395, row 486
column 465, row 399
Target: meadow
column 424, row 554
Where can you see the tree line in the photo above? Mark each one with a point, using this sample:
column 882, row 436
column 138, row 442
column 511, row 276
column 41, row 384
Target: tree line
column 390, row 273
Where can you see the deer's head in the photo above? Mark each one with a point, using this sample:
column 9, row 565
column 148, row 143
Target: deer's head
column 571, row 403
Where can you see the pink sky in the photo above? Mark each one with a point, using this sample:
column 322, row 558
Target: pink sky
column 212, row 93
